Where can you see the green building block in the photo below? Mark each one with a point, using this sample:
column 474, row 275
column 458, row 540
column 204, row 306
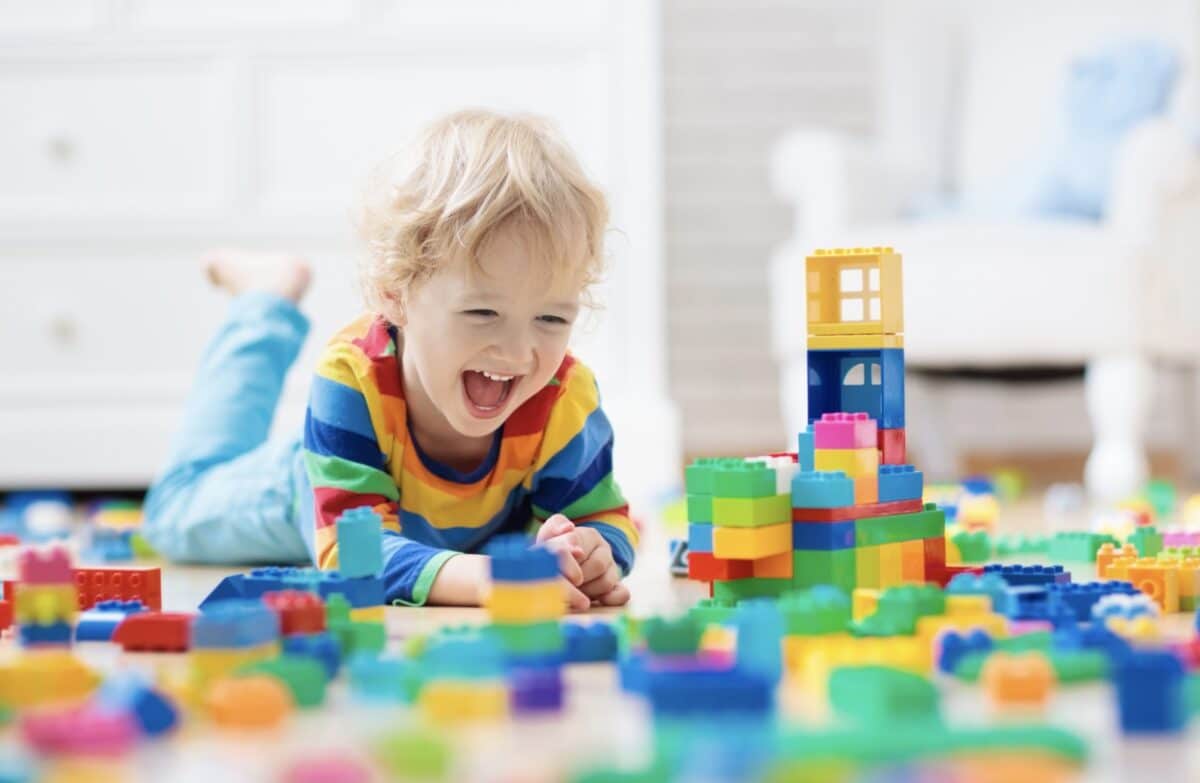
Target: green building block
column 899, row 608
column 710, row 611
column 1011, row 545
column 975, row 546
column 752, row 512
column 866, row 561
column 815, row 612
column 881, row 696
column 836, row 567
column 699, row 508
column 755, row 587
column 529, row 638
column 303, row 676
column 355, row 637
column 1161, row 495
column 698, row 477
column 895, row 528
column 411, row 753
column 672, row 636
column 1077, row 546
column 743, row 480
column 1148, row 540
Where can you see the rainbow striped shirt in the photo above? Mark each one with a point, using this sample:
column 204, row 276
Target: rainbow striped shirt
column 552, row 455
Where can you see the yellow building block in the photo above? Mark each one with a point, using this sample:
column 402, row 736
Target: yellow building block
column 1107, row 554
column 462, row 701
column 853, row 462
column 866, row 565
column 45, row 604
column 797, row 648
column 752, row 543
column 1189, row 583
column 912, row 561
column 863, row 602
column 891, row 565
column 210, row 665
column 1118, row 568
column 778, row 566
column 854, row 291
column 968, row 605
column 718, row 638
column 528, row 602
column 368, row 614
column 39, row 677
column 843, row 342
column 897, row 652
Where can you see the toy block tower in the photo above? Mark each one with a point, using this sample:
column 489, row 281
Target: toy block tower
column 844, row 509
column 46, row 601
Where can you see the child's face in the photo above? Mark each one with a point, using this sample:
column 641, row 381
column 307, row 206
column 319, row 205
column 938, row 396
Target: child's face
column 479, row 342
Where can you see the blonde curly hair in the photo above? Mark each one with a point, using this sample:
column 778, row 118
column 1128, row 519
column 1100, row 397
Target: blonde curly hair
column 472, row 173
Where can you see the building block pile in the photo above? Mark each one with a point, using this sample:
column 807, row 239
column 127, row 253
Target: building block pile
column 844, row 509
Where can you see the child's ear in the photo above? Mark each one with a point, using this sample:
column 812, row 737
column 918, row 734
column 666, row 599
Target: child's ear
column 395, row 308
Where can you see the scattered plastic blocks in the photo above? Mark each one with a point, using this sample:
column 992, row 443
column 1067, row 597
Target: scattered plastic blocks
column 815, row 489
column 100, row 622
column 1150, row 692
column 153, row 712
column 360, row 543
column 900, row 482
column 1017, row 575
column 1080, row 597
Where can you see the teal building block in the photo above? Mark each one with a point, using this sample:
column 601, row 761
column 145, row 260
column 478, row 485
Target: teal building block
column 806, row 451
column 822, row 489
column 360, row 543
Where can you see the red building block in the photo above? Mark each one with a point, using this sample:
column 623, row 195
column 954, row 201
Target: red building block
column 124, row 584
column 891, row 447
column 44, row 566
column 935, row 556
column 865, row 511
column 6, row 615
column 299, row 612
column 154, row 632
column 704, row 567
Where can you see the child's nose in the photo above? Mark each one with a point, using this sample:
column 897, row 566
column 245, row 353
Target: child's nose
column 515, row 349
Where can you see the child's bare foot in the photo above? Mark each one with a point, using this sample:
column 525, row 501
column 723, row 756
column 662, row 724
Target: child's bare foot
column 239, row 271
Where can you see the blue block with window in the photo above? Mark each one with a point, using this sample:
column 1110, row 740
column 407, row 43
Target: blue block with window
column 866, row 380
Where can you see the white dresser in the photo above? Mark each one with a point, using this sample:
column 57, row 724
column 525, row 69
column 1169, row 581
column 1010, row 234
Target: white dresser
column 135, row 134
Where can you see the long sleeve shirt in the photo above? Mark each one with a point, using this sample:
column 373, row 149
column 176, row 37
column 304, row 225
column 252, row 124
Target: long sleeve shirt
column 552, row 455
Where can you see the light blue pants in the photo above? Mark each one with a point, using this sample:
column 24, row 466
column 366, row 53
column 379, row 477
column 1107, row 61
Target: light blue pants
column 228, row 494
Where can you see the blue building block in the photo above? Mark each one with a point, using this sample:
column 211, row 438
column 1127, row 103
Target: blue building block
column 955, row 646
column 979, row 485
column 1019, row 575
column 879, row 394
column 1095, row 636
column 55, row 634
column 98, row 623
column 823, row 536
column 234, row 624
column 991, row 585
column 515, row 559
column 322, row 647
column 688, row 692
column 131, row 693
column 700, row 538
column 360, row 543
column 760, row 638
column 589, row 642
column 806, row 451
column 900, row 482
column 822, row 489
column 1150, row 692
column 110, row 546
column 1080, row 597
column 360, row 592
column 475, row 656
column 1027, row 602
column 380, row 680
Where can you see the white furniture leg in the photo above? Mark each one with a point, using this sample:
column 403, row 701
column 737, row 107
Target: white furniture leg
column 1117, row 389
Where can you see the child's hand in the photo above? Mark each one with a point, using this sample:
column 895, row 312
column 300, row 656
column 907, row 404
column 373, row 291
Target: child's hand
column 593, row 573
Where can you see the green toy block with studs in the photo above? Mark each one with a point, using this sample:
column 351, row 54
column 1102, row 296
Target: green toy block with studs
column 753, row 587
column 700, row 509
column 710, row 611
column 836, row 567
column 698, row 477
column 896, row 528
column 815, row 612
column 1148, row 540
column 672, row 636
column 743, row 480
column 975, row 546
column 751, row 512
column 1077, row 546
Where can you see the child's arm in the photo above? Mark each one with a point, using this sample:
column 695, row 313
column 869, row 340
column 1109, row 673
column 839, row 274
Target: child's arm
column 574, row 478
column 347, row 468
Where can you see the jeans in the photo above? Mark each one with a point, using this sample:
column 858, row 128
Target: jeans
column 228, row 494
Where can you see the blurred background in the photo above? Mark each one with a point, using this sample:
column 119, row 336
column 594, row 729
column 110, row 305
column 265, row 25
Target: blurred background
column 1035, row 162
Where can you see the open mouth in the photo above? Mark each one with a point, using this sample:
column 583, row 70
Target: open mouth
column 486, row 392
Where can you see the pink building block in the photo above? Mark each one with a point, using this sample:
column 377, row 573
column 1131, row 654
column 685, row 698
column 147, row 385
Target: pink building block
column 331, row 769
column 45, row 566
column 845, row 431
column 1181, row 538
column 80, row 731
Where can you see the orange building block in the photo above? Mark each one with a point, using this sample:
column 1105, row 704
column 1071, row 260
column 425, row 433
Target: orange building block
column 1107, row 554
column 255, row 702
column 912, row 561
column 1025, row 681
column 866, row 490
column 774, row 567
column 1158, row 579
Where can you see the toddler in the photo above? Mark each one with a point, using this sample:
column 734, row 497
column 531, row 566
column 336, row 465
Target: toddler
column 453, row 407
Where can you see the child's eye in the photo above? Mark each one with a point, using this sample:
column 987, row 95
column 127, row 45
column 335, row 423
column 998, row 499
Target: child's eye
column 481, row 313
column 552, row 319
